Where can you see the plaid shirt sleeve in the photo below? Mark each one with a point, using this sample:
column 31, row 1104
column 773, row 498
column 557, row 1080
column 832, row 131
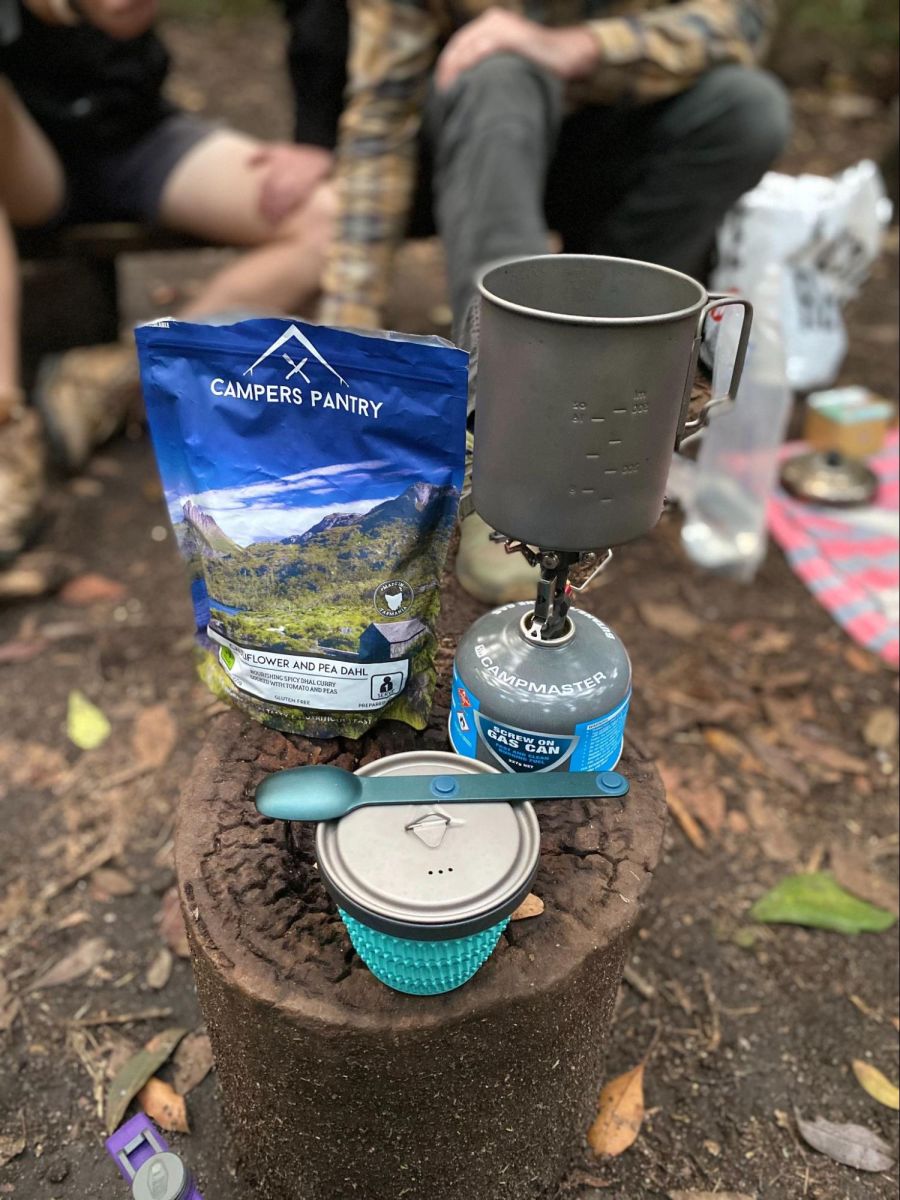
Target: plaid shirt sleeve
column 394, row 46
column 653, row 54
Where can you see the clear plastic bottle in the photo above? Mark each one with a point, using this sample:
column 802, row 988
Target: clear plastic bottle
column 725, row 513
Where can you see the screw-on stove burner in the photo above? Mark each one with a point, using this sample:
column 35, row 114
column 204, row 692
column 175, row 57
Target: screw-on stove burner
column 555, row 588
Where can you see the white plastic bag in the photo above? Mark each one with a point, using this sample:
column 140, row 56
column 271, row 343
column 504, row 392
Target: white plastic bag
column 825, row 234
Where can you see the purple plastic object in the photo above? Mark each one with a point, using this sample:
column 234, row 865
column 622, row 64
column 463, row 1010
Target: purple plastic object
column 139, row 1142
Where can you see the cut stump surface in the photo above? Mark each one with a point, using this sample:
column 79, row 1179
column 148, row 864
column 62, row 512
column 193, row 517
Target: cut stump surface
column 335, row 1086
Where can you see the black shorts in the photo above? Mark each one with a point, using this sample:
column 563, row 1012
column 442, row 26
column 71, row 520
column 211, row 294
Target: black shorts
column 128, row 185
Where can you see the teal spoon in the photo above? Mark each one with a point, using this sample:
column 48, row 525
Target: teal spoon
column 326, row 793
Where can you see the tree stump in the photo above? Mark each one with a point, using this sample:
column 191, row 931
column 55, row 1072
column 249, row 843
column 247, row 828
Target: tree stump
column 333, row 1085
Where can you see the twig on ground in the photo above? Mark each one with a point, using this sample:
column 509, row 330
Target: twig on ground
column 642, row 986
column 147, row 1014
column 715, row 1032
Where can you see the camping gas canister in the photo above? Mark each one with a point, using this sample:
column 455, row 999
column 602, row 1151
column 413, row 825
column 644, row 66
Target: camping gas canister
column 523, row 704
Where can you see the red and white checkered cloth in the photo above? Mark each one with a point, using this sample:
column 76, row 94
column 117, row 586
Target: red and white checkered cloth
column 849, row 558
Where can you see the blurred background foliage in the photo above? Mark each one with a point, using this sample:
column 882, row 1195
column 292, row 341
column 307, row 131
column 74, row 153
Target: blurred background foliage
column 836, row 44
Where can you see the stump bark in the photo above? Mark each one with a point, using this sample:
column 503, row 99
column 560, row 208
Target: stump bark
column 336, row 1087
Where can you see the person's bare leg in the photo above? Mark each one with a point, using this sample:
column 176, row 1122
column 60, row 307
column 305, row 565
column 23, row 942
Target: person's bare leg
column 31, row 191
column 9, row 322
column 214, row 193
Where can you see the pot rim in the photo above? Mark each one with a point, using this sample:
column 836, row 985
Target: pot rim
column 568, row 318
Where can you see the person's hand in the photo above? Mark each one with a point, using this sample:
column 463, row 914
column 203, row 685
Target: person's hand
column 290, row 175
column 120, row 19
column 570, row 53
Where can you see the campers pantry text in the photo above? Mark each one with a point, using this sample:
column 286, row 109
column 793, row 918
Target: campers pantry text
column 282, row 393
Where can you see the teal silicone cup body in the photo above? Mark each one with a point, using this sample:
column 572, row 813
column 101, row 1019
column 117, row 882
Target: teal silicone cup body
column 422, row 968
column 426, row 890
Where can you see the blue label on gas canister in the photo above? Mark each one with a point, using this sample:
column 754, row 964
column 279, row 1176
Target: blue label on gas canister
column 600, row 741
column 524, row 749
column 593, row 745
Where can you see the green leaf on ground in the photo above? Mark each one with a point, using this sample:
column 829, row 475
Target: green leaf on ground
column 86, row 725
column 817, row 901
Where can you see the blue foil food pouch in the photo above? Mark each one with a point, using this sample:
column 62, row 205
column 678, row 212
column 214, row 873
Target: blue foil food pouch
column 312, row 476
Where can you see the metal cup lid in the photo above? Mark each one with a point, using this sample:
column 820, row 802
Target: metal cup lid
column 430, row 872
column 829, row 477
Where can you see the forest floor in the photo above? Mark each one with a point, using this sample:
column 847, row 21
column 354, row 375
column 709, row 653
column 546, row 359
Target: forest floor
column 758, row 710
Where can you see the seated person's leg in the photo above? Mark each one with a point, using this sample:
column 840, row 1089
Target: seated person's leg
column 215, row 192
column 199, row 179
column 31, row 192
column 492, row 135
column 691, row 158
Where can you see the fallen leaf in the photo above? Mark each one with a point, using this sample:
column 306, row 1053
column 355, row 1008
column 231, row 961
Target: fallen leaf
column 775, row 840
column 91, row 588
column 852, row 1145
column 164, row 1106
column 814, row 753
column 784, row 681
column 13, row 903
column 620, row 1114
column 107, row 882
column 86, row 725
column 13, row 1140
column 778, row 765
column 673, row 780
column 873, row 1014
column 861, row 660
column 9, row 1006
column 31, row 764
column 730, row 747
column 817, row 901
column 671, row 619
column 171, row 924
column 22, row 651
column 136, row 1071
column 737, row 822
column 877, row 1085
column 153, row 736
column 880, row 729
column 531, row 906
column 706, row 802
column 160, row 970
column 853, row 871
column 710, row 1196
column 87, row 955
column 34, row 574
column 853, row 106
column 772, row 641
column 193, row 1062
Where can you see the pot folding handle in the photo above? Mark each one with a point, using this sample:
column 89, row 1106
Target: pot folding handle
column 689, row 430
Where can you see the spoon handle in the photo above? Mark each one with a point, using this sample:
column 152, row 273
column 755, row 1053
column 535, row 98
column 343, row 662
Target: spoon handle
column 489, row 789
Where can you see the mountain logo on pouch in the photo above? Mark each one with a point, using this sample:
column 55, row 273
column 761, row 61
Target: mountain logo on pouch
column 293, row 334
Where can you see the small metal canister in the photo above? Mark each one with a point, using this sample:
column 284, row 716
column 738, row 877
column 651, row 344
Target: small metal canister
column 426, row 890
column 522, row 704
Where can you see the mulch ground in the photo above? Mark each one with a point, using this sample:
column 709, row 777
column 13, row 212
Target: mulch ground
column 751, row 700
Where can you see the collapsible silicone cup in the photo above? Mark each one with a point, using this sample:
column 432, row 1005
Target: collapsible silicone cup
column 425, row 890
